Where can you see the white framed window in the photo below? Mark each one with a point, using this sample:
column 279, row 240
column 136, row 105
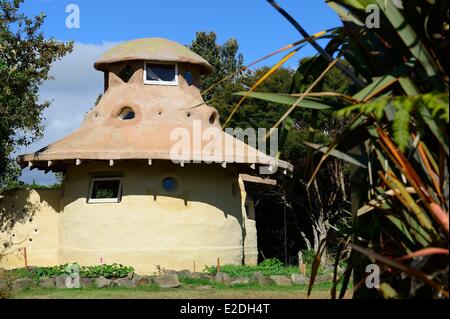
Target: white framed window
column 105, row 190
column 161, row 73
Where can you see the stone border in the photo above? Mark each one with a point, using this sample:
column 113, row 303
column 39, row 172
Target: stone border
column 168, row 279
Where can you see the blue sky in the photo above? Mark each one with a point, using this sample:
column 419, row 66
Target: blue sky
column 258, row 28
column 254, row 23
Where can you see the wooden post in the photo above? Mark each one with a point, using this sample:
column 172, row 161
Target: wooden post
column 301, row 265
column 25, row 256
column 303, row 269
column 23, row 251
column 218, row 264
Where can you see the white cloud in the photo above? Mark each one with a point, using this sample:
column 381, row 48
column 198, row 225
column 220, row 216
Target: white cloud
column 73, row 92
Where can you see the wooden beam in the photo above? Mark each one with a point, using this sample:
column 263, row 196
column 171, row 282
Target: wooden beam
column 78, row 162
column 111, row 162
column 149, row 162
column 258, row 180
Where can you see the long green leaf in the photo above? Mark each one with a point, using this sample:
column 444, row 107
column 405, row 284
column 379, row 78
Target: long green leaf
column 359, row 4
column 410, row 38
column 315, row 265
column 287, row 100
column 336, row 153
column 380, row 84
column 401, row 267
column 432, row 125
column 345, row 14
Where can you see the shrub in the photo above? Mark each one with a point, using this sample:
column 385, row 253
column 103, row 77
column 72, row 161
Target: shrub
column 107, row 271
column 268, row 267
column 308, row 256
column 5, row 290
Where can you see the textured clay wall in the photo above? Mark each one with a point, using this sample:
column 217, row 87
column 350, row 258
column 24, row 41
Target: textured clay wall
column 198, row 222
column 204, row 218
column 36, row 213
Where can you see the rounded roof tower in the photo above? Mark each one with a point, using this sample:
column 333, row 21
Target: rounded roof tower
column 154, row 49
column 136, row 119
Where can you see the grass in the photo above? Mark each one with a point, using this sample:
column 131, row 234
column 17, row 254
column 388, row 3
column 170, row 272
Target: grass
column 268, row 267
column 190, row 289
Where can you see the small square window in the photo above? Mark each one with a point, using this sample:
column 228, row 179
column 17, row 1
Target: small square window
column 105, row 190
column 161, row 73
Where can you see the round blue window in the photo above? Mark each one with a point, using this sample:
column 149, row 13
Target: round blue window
column 169, row 184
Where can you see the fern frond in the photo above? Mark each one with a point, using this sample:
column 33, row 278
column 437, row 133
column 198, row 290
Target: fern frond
column 402, row 116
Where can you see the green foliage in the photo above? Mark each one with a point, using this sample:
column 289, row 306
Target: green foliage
column 5, row 290
column 107, row 271
column 35, row 185
column 401, row 117
column 402, row 108
column 261, row 113
column 25, row 60
column 395, row 105
column 104, row 193
column 225, row 59
column 308, row 256
column 268, row 267
column 42, row 272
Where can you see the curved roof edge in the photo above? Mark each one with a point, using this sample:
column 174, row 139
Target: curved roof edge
column 151, row 49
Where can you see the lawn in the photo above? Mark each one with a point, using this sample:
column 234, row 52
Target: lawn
column 191, row 290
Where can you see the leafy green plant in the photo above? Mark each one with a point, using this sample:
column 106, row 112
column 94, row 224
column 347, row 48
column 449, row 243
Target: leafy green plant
column 54, row 271
column 268, row 267
column 308, row 256
column 107, row 271
column 5, row 288
column 25, row 61
column 396, row 138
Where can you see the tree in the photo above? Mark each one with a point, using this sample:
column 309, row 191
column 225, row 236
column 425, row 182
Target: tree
column 313, row 211
column 255, row 113
column 25, row 60
column 225, row 60
column 397, row 143
column 311, row 215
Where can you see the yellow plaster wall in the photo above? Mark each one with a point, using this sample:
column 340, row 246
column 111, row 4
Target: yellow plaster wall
column 200, row 221
column 36, row 212
column 203, row 219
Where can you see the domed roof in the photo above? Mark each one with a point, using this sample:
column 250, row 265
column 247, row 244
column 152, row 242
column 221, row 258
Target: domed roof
column 151, row 49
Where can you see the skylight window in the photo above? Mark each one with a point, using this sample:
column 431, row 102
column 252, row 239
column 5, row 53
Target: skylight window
column 161, row 73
